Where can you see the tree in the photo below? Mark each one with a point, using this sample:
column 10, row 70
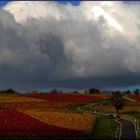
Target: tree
column 117, row 101
column 54, row 91
column 94, row 91
column 128, row 92
column 75, row 92
column 9, row 91
column 86, row 91
column 136, row 92
column 34, row 92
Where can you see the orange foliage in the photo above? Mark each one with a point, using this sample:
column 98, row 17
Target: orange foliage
column 70, row 98
column 8, row 101
column 32, row 105
column 25, row 102
column 76, row 121
column 4, row 98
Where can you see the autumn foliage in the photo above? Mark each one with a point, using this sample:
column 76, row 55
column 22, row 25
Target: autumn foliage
column 17, row 98
column 46, row 101
column 135, row 97
column 28, row 115
column 14, row 123
column 25, row 102
column 75, row 121
column 69, row 98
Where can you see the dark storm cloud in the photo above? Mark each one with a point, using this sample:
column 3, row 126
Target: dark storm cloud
column 46, row 44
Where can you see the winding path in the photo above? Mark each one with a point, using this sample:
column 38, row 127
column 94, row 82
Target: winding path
column 127, row 130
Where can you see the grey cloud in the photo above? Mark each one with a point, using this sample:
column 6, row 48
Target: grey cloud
column 74, row 50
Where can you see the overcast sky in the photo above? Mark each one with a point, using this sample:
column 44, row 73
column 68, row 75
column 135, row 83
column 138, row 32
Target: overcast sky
column 47, row 44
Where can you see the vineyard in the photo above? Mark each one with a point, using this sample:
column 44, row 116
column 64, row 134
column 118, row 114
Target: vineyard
column 70, row 98
column 57, row 115
column 135, row 97
column 66, row 120
column 14, row 123
column 17, row 99
column 30, row 115
column 33, row 105
column 46, row 101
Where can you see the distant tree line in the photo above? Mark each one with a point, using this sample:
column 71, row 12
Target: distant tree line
column 128, row 92
column 8, row 91
column 93, row 91
column 87, row 91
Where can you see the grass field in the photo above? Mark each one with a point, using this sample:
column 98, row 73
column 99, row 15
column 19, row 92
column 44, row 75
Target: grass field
column 104, row 128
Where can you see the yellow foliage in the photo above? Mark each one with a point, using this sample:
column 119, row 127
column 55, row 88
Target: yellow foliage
column 15, row 98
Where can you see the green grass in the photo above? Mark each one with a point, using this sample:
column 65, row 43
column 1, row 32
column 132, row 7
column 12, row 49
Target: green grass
column 136, row 115
column 87, row 108
column 104, row 128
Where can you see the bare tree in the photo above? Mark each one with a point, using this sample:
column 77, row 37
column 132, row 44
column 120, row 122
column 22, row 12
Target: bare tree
column 117, row 101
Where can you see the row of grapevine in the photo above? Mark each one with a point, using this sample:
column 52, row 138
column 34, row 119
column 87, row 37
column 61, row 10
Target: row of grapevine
column 69, row 98
column 14, row 123
column 81, row 122
column 135, row 97
column 45, row 101
column 15, row 98
column 33, row 105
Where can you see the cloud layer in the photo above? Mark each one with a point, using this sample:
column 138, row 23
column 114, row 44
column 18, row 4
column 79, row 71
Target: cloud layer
column 48, row 44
